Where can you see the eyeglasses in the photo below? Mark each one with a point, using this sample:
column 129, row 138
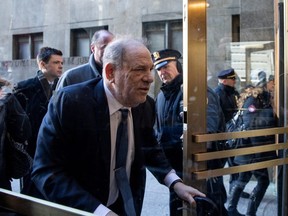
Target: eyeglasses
column 232, row 78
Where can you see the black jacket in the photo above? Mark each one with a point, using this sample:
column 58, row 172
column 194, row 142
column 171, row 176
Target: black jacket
column 169, row 111
column 258, row 114
column 14, row 121
column 228, row 100
column 34, row 98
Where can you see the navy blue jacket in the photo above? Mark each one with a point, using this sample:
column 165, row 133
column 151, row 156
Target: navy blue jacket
column 228, row 100
column 80, row 73
column 72, row 160
column 169, row 111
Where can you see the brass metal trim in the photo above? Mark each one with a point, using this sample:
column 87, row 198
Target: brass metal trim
column 198, row 175
column 204, row 156
column 242, row 134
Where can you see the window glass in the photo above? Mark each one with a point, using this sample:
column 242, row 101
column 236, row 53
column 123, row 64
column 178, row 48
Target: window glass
column 164, row 35
column 82, row 44
column 81, row 40
column 27, row 46
column 243, row 39
column 24, row 50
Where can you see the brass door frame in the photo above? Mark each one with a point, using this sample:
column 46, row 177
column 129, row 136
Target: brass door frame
column 194, row 89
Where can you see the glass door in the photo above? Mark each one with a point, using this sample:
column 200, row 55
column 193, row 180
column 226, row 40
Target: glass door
column 239, row 44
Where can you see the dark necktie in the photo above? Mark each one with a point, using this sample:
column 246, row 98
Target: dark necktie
column 120, row 169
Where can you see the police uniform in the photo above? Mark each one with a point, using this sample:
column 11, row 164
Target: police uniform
column 163, row 57
column 228, row 94
column 228, row 100
column 169, row 122
column 227, row 74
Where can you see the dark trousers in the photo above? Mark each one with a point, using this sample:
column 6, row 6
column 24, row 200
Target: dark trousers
column 217, row 193
column 233, row 177
column 261, row 176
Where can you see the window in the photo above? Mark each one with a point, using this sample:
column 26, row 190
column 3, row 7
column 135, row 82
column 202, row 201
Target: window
column 236, row 28
column 164, row 34
column 26, row 46
column 81, row 40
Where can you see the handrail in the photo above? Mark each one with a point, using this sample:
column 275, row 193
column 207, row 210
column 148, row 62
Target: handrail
column 237, row 169
column 205, row 156
column 31, row 206
column 198, row 138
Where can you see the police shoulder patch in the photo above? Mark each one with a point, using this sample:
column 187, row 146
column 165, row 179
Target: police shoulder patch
column 252, row 108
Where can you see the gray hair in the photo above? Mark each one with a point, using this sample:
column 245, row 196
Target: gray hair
column 98, row 35
column 115, row 51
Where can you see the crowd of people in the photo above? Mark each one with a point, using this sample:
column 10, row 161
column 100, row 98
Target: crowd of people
column 71, row 126
column 71, row 121
column 256, row 103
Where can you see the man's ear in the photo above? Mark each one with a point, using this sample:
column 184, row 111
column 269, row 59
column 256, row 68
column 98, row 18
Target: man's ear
column 109, row 72
column 42, row 65
column 92, row 48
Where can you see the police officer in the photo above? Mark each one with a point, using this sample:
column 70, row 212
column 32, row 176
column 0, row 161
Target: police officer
column 169, row 111
column 228, row 100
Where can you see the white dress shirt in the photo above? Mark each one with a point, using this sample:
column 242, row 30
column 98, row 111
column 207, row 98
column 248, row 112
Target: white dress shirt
column 115, row 118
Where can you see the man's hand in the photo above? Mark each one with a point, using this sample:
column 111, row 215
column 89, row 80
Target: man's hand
column 187, row 193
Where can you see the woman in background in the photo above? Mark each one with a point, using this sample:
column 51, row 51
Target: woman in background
column 13, row 120
column 257, row 114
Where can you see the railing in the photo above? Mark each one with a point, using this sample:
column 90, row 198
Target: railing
column 30, row 206
column 205, row 156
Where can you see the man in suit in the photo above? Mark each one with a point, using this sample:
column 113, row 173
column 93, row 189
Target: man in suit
column 93, row 68
column 34, row 95
column 75, row 158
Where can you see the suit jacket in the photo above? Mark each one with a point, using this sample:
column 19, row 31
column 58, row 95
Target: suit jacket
column 72, row 160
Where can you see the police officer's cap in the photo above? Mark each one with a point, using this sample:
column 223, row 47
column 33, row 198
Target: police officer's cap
column 227, row 74
column 163, row 57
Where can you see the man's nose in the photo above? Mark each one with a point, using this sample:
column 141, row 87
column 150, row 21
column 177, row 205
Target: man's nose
column 149, row 78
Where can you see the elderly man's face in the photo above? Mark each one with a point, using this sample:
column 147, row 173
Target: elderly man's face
column 131, row 83
column 229, row 82
column 99, row 47
column 168, row 72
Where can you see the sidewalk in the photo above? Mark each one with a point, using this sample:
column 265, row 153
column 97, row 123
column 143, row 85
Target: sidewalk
column 156, row 199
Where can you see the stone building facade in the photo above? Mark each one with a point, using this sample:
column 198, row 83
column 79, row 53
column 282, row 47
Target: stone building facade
column 55, row 22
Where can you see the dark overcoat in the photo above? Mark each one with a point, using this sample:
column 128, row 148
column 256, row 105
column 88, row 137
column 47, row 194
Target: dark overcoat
column 72, row 160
